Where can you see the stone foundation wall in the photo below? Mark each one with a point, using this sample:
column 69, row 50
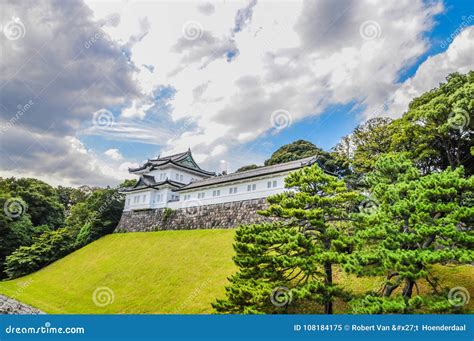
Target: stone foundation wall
column 226, row 215
column 11, row 306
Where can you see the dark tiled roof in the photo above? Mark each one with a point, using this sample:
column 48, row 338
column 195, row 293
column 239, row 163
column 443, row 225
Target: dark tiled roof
column 184, row 160
column 282, row 167
column 148, row 181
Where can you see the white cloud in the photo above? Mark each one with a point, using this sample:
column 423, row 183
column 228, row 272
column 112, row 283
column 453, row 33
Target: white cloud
column 252, row 58
column 292, row 56
column 459, row 57
column 114, row 154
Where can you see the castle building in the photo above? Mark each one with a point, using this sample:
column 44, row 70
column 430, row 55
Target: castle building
column 177, row 181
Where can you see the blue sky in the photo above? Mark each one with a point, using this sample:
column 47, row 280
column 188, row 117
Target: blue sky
column 114, row 84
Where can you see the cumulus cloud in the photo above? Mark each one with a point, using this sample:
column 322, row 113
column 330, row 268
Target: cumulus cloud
column 68, row 68
column 206, row 8
column 244, row 63
column 457, row 58
column 114, row 154
column 298, row 57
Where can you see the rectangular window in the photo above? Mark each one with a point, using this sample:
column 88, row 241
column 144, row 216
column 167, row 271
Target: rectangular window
column 144, row 197
column 274, row 183
column 216, row 193
column 177, row 176
column 269, row 184
column 201, row 195
column 181, row 178
column 254, row 186
column 233, row 190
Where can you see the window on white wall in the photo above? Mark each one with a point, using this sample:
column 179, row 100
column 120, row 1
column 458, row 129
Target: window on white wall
column 144, row 197
column 201, row 195
column 216, row 193
column 269, row 184
column 181, row 178
column 233, row 190
column 275, row 183
column 251, row 187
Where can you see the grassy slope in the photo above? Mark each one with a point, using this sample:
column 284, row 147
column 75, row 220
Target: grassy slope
column 151, row 272
column 160, row 272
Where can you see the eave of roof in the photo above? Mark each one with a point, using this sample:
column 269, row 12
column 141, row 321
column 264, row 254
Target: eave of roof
column 173, row 159
column 155, row 186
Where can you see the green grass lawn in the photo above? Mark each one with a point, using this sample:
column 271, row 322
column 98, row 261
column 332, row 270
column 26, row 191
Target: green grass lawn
column 150, row 272
column 166, row 272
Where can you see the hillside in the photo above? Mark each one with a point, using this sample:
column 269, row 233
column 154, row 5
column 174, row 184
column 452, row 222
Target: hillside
column 152, row 272
column 158, row 272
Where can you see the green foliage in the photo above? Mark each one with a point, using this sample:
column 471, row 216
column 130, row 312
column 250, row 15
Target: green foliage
column 246, row 168
column 300, row 149
column 297, row 252
column 69, row 196
column 293, row 151
column 43, row 202
column 366, row 143
column 437, row 130
column 419, row 221
column 46, row 248
column 167, row 212
column 101, row 210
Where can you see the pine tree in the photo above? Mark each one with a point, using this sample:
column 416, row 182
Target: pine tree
column 288, row 264
column 418, row 221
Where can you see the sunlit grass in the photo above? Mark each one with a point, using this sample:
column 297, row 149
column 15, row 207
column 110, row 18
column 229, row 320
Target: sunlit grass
column 166, row 272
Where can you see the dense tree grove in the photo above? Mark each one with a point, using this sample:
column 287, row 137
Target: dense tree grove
column 402, row 204
column 41, row 224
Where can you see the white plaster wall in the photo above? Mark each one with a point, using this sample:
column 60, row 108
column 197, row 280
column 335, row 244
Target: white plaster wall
column 171, row 172
column 261, row 191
